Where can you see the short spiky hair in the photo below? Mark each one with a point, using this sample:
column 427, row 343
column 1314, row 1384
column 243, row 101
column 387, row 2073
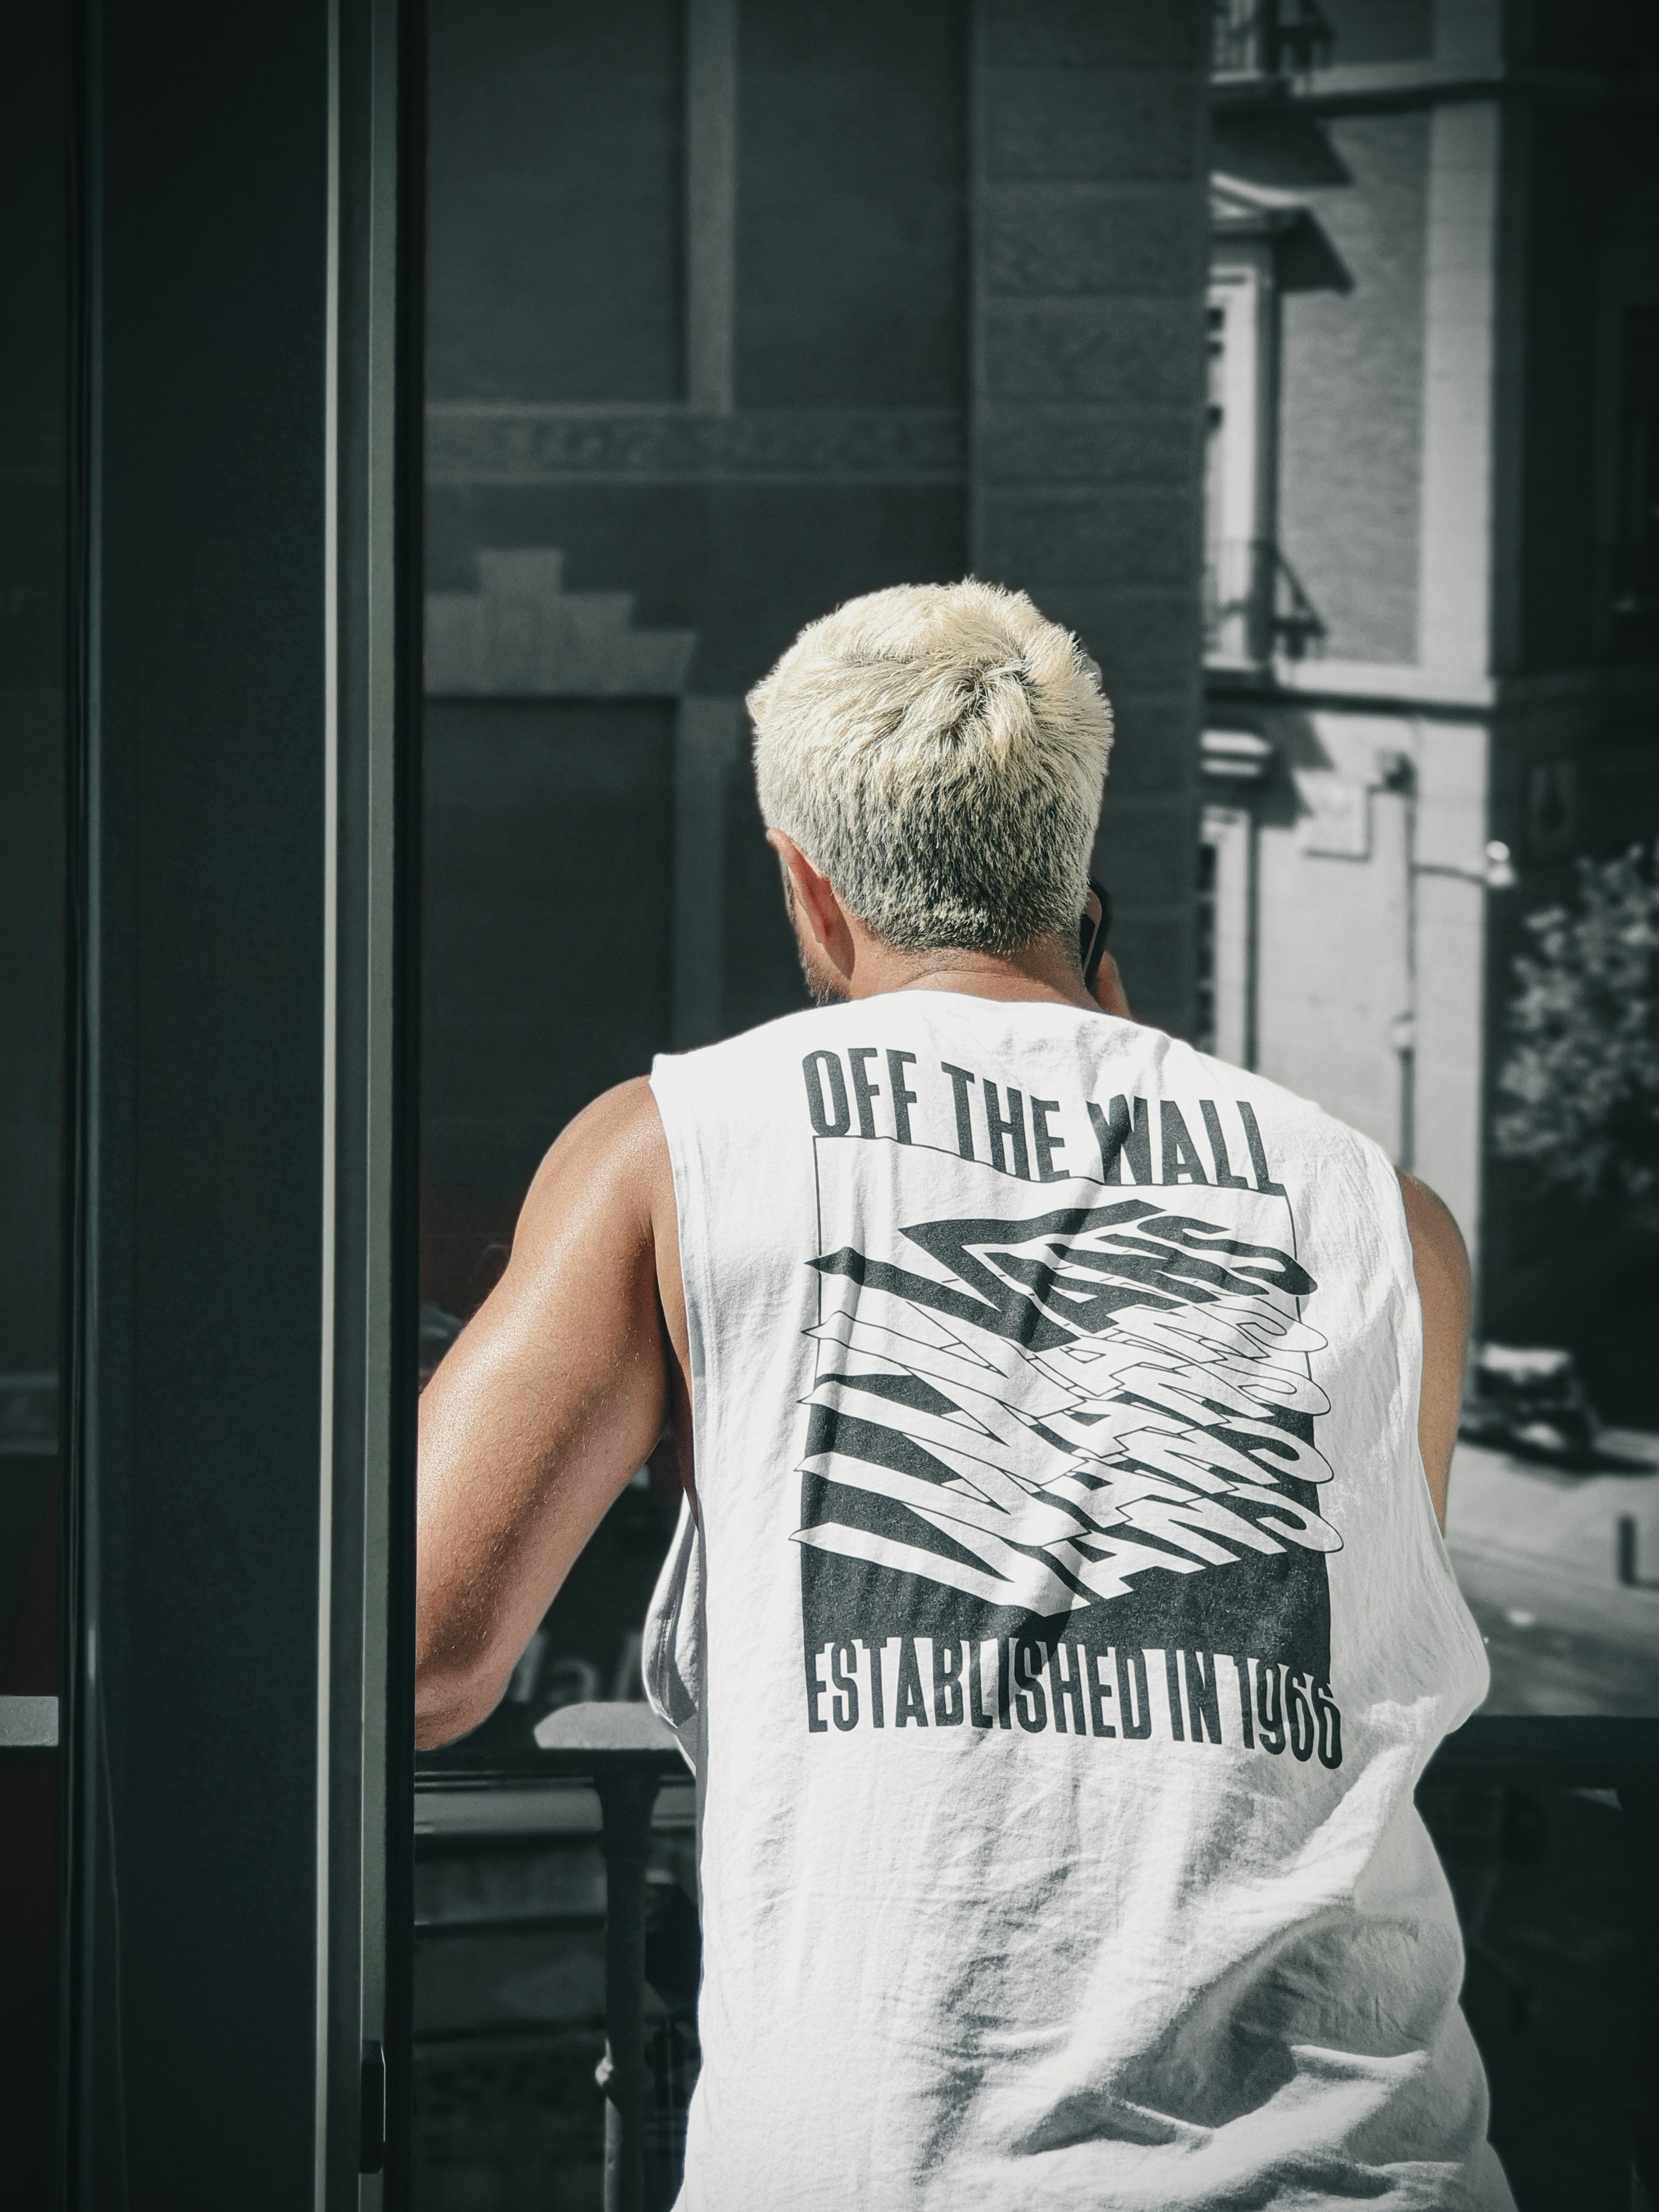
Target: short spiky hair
column 937, row 750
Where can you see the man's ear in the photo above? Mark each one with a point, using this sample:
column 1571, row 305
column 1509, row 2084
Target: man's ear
column 819, row 914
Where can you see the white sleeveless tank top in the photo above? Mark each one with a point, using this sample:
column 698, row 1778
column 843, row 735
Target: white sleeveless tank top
column 1062, row 1633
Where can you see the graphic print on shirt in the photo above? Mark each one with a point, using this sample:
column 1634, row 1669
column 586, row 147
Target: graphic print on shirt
column 1058, row 1444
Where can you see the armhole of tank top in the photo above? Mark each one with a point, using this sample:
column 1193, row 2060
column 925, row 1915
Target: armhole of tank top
column 667, row 1088
column 1430, row 1535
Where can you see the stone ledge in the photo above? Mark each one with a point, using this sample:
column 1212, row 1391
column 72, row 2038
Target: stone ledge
column 508, row 443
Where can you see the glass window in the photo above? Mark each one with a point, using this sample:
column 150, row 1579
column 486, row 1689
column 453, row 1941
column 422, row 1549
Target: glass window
column 697, row 362
column 34, row 360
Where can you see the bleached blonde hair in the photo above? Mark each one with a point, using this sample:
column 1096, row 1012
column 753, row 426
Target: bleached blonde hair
column 937, row 750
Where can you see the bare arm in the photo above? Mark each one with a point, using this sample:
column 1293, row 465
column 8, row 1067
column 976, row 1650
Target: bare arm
column 553, row 1396
column 1441, row 1264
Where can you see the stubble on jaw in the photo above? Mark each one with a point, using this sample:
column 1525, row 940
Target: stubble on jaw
column 824, row 985
column 823, row 993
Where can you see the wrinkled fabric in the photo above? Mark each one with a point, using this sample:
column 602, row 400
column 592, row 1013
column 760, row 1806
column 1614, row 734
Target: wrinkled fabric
column 1061, row 1632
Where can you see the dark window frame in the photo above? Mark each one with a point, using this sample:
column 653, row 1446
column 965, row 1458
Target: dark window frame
column 235, row 1768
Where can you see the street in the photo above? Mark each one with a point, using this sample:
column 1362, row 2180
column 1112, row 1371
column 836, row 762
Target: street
column 1536, row 1548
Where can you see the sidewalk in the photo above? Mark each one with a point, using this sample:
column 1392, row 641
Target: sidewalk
column 1535, row 1551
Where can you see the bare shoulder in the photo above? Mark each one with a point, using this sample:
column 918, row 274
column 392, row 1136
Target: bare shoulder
column 1435, row 1235
column 609, row 1181
column 621, row 1123
column 613, row 1158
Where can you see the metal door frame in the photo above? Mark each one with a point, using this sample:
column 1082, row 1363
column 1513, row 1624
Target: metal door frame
column 244, row 827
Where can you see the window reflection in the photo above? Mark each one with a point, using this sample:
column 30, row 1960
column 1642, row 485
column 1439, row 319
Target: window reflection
column 700, row 348
column 697, row 370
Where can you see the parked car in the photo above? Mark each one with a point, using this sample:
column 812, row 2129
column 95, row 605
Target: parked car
column 1530, row 1400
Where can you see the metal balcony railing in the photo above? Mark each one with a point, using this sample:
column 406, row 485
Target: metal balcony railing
column 1269, row 39
column 1254, row 606
column 625, row 1755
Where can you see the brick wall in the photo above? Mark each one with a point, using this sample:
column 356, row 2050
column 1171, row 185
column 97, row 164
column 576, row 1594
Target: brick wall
column 1351, row 394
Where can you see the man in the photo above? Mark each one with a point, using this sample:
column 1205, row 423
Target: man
column 1060, row 1623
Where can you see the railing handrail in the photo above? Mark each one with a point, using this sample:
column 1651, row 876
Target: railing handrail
column 1256, row 38
column 1242, row 580
column 626, row 1754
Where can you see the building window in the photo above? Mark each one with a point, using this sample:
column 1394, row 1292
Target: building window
column 1254, row 605
column 1226, row 1017
column 1240, row 461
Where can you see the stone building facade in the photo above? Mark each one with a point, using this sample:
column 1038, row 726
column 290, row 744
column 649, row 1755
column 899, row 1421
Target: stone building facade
column 1432, row 641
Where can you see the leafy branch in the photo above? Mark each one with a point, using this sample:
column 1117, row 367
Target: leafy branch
column 1583, row 1073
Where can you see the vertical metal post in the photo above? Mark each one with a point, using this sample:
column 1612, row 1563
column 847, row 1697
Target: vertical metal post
column 626, row 1795
column 1639, row 1797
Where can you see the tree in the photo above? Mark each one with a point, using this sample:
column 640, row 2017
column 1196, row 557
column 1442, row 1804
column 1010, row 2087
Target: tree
column 1583, row 1073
